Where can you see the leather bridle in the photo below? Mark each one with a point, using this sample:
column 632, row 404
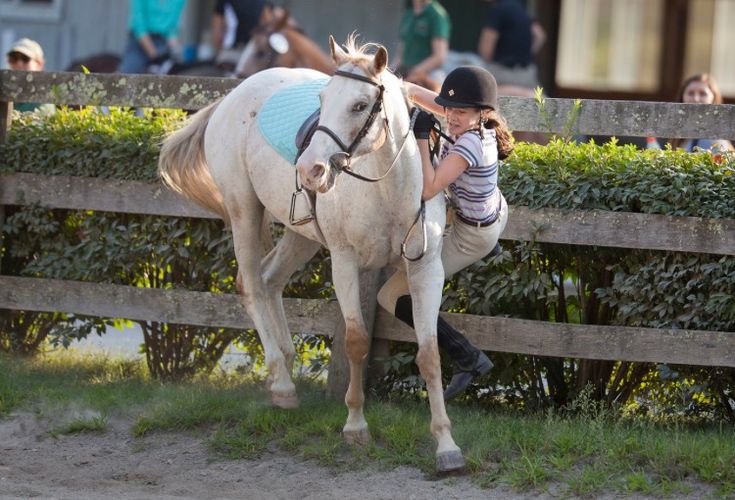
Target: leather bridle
column 346, row 154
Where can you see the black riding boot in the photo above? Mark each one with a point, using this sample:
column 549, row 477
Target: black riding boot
column 469, row 361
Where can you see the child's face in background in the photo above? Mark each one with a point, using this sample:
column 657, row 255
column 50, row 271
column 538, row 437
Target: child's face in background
column 698, row 93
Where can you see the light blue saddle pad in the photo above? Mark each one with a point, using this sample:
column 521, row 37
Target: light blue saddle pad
column 283, row 113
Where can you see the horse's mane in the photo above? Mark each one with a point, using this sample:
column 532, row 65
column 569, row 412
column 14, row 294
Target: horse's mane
column 360, row 55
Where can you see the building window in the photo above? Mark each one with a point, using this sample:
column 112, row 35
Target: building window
column 31, row 10
column 710, row 40
column 610, row 45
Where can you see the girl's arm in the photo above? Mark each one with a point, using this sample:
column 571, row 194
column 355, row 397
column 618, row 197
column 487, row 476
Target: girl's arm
column 423, row 97
column 438, row 179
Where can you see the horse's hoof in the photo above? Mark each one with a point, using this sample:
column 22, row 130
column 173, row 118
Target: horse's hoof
column 285, row 401
column 450, row 461
column 359, row 437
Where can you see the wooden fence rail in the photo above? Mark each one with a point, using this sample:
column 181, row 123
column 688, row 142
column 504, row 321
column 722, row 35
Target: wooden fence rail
column 597, row 117
column 614, row 229
column 547, row 225
column 321, row 317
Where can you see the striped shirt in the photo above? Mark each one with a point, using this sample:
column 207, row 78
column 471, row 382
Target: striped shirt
column 475, row 194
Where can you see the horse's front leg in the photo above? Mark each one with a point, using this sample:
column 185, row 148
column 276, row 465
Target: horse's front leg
column 345, row 275
column 426, row 280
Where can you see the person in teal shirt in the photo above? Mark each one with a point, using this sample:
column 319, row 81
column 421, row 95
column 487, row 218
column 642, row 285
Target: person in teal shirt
column 154, row 30
column 424, row 43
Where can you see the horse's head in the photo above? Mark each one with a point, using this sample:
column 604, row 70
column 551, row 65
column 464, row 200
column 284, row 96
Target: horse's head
column 278, row 42
column 267, row 45
column 353, row 117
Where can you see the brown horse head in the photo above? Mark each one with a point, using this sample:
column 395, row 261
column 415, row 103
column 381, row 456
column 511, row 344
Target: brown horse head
column 279, row 42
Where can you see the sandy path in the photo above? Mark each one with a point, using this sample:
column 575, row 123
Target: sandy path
column 116, row 465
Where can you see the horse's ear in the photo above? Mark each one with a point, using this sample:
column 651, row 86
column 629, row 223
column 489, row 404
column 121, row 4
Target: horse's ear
column 282, row 20
column 338, row 55
column 381, row 60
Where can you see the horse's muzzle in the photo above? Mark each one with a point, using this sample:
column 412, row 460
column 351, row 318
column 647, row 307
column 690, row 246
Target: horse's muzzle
column 317, row 177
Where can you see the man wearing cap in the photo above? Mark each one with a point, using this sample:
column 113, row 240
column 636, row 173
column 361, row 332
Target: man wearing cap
column 27, row 55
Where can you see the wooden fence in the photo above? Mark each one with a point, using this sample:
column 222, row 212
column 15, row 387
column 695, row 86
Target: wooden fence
column 602, row 228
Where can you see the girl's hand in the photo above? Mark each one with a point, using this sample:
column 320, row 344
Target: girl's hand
column 423, row 124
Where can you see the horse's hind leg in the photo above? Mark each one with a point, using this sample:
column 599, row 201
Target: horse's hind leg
column 347, row 287
column 246, row 236
column 289, row 255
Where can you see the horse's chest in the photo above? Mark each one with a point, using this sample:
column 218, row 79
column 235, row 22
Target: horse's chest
column 368, row 232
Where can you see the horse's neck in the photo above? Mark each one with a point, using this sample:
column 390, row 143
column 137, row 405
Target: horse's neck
column 307, row 54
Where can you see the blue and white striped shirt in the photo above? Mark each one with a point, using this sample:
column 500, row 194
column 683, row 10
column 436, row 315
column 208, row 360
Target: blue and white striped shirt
column 475, row 194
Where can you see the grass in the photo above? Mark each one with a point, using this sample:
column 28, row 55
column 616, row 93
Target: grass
column 583, row 455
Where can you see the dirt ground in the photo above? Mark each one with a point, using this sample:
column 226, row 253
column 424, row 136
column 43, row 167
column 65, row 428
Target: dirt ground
column 117, row 465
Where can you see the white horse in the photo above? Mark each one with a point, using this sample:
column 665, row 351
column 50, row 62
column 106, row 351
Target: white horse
column 222, row 161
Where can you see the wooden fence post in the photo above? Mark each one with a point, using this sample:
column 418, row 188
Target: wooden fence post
column 6, row 115
column 338, row 378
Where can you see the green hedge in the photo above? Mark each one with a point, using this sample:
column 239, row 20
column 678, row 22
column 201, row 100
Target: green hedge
column 566, row 283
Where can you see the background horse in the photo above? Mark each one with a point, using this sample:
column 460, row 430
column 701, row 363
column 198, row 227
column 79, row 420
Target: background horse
column 280, row 43
column 106, row 62
column 223, row 160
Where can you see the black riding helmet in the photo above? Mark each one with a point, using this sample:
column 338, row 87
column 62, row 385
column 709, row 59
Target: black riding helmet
column 468, row 87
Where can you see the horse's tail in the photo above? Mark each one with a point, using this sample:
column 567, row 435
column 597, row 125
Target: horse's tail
column 183, row 167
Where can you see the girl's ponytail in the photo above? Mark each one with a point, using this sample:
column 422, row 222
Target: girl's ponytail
column 494, row 120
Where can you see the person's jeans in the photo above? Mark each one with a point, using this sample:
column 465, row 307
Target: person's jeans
column 134, row 59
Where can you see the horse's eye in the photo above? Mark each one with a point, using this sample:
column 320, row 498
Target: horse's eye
column 359, row 107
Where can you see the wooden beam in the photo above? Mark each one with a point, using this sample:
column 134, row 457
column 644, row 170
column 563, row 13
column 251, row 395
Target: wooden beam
column 690, row 347
column 621, row 230
column 150, row 304
column 549, row 225
column 94, row 193
column 621, row 118
column 114, row 89
column 617, row 343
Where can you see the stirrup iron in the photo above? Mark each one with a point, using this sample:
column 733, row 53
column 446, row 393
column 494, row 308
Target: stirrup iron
column 309, row 217
column 307, row 202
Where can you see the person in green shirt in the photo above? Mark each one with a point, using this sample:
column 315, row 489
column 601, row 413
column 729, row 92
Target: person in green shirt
column 27, row 55
column 424, row 42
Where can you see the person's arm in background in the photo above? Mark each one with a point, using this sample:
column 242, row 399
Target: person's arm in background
column 441, row 30
column 538, row 37
column 139, row 28
column 487, row 43
column 218, row 28
column 439, row 50
column 172, row 35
